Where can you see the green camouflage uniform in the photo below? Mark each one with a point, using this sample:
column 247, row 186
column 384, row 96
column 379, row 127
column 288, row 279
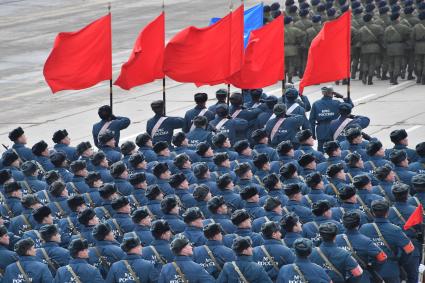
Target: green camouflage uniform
column 370, row 37
column 418, row 43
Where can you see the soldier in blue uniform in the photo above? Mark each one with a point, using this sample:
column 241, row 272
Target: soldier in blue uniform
column 101, row 166
column 306, row 143
column 205, row 154
column 418, row 185
column 302, row 269
column 219, row 214
column 348, row 199
column 159, row 252
column 78, row 184
column 19, row 139
column 390, row 238
column 193, row 218
column 221, row 96
column 12, row 162
column 223, row 166
column 261, row 140
column 227, row 125
column 293, row 191
column 295, row 108
column 94, row 181
column 106, row 250
column 161, row 127
column 107, row 144
column 289, row 175
column 142, row 221
column 181, row 187
column 181, row 145
column 227, row 190
column 27, row 268
column 50, row 252
column 244, row 269
column 400, row 140
column 138, row 196
column 365, row 196
column 267, row 113
column 85, row 152
column 184, row 165
column 7, row 256
column 12, row 205
column 362, row 248
column 50, row 177
column 274, row 187
column 273, row 212
column 127, row 149
column 163, row 175
column 398, row 215
column 322, row 113
column 31, row 184
column 283, row 127
column 273, row 254
column 202, row 195
column 376, row 156
column 199, row 133
column 354, row 138
column 88, row 220
column 345, row 121
column 247, row 178
column 337, row 179
column 241, row 219
column 338, row 263
column 59, row 197
column 5, row 177
column 244, row 151
column 401, row 166
column 78, row 267
column 121, row 222
column 25, row 221
column 61, row 165
column 170, row 208
column 154, row 196
column 41, row 153
column 386, row 178
column 62, row 143
column 120, row 174
column 262, row 167
column 222, row 144
column 315, row 182
column 199, row 110
column 163, row 154
column 252, row 201
column 203, row 176
column 43, row 216
column 286, row 153
column 307, row 164
column 322, row 214
column 144, row 142
column 419, row 165
column 108, row 193
column 132, row 267
column 138, row 164
column 109, row 122
column 213, row 255
column 70, row 226
column 183, row 268
column 333, row 150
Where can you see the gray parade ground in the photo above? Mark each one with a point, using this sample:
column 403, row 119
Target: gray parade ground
column 29, row 27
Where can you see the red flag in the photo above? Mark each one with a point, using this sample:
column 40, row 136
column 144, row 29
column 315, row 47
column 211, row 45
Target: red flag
column 264, row 57
column 329, row 53
column 80, row 59
column 415, row 219
column 206, row 55
column 146, row 60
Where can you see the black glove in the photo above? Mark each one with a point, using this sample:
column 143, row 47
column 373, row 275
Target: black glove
column 113, row 117
column 366, row 136
column 337, row 95
column 352, row 116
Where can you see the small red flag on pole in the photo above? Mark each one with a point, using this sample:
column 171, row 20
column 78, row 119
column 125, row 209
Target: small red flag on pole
column 415, row 219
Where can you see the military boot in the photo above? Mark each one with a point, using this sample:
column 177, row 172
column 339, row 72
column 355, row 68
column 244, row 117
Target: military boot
column 360, row 75
column 402, row 74
column 423, row 80
column 344, row 82
column 364, row 79
column 395, row 82
column 290, row 79
column 369, row 80
column 384, row 76
column 410, row 76
column 418, row 80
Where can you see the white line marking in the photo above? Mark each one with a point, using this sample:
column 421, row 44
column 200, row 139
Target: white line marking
column 396, row 86
column 364, row 97
column 413, row 128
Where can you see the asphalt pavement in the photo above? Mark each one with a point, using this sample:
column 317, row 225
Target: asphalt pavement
column 28, row 29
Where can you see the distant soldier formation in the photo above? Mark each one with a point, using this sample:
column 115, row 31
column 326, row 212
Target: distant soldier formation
column 387, row 37
column 234, row 192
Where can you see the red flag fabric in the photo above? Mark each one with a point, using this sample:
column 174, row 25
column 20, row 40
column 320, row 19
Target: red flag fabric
column 80, row 59
column 264, row 57
column 329, row 53
column 415, row 219
column 206, row 55
column 146, row 60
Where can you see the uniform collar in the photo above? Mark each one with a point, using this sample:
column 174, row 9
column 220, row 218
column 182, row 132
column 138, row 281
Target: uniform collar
column 160, row 242
column 272, row 242
column 352, row 231
column 301, row 260
column 132, row 256
column 106, row 243
column 50, row 245
column 27, row 258
column 244, row 258
column 183, row 258
column 328, row 244
column 381, row 220
column 78, row 260
column 214, row 243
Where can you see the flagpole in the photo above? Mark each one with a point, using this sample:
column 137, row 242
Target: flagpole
column 230, row 34
column 163, row 79
column 110, row 81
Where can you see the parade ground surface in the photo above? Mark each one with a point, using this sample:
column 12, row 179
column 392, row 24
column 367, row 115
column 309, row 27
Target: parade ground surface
column 29, row 27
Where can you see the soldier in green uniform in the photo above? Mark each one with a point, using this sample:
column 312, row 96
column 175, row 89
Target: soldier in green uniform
column 370, row 36
column 314, row 29
column 356, row 22
column 410, row 21
column 303, row 24
column 395, row 36
column 418, row 43
column 383, row 20
column 294, row 40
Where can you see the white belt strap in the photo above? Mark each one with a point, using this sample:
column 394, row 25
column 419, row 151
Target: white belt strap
column 157, row 125
column 292, row 108
column 221, row 123
column 276, row 127
column 236, row 113
column 341, row 127
column 202, row 113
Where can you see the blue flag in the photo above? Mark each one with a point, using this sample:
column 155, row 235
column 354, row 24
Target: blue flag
column 253, row 19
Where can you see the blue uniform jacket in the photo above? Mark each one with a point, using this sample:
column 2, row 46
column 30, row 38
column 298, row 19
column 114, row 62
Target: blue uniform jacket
column 104, row 174
column 257, row 239
column 85, row 271
column 67, row 230
column 311, row 231
column 36, row 271
column 194, row 157
column 148, row 153
column 362, row 121
column 290, row 238
column 192, row 271
column 86, row 233
column 58, row 256
column 163, row 249
column 307, row 149
column 223, row 220
column 199, row 135
column 144, row 234
column 221, row 253
column 269, row 216
column 232, row 199
column 299, row 110
column 45, row 163
column 110, row 251
column 418, row 166
column 280, row 254
column 412, row 156
column 311, row 271
column 252, row 271
column 165, row 131
column 143, row 269
column 176, row 223
column 230, row 127
column 70, row 151
column 80, row 184
column 264, row 148
column 338, row 212
column 24, row 152
column 124, row 222
column 303, row 212
column 194, row 112
column 195, row 235
column 113, row 154
column 286, row 131
column 118, row 124
column 7, row 257
column 18, row 225
column 186, row 198
column 34, row 184
column 16, row 173
column 316, row 195
column 124, row 187
column 404, row 175
column 255, row 210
